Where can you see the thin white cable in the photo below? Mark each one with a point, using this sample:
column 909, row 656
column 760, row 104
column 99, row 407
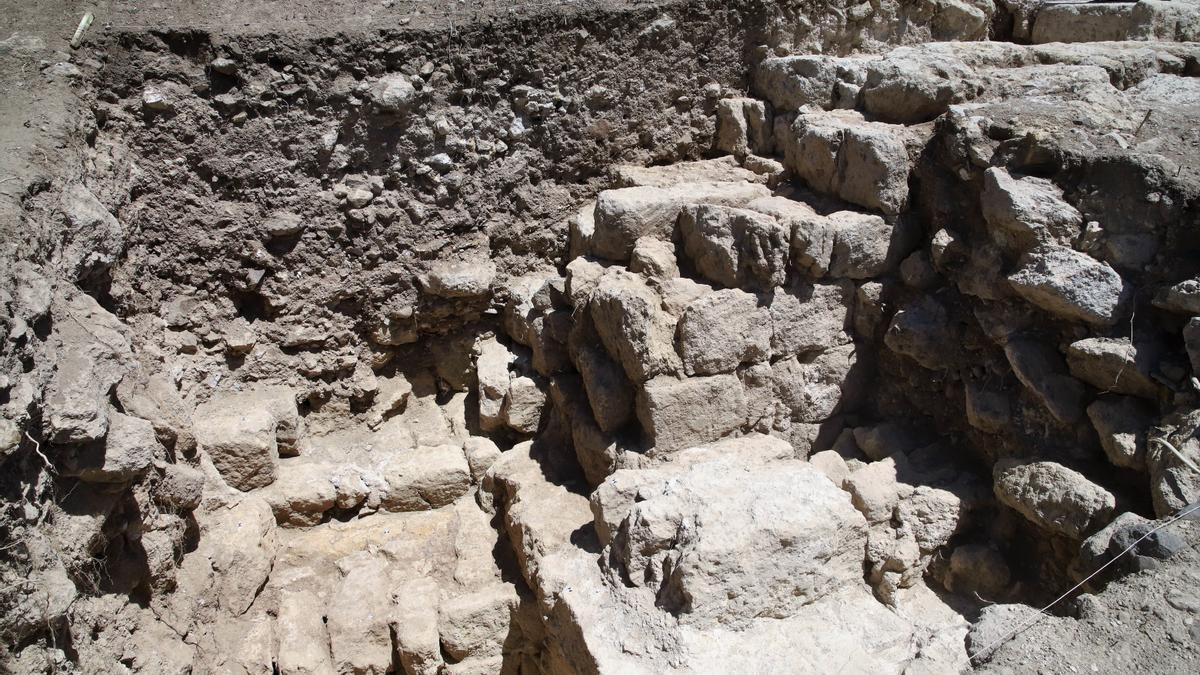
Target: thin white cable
column 1042, row 612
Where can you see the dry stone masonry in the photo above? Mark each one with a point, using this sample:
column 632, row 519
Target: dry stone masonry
column 679, row 337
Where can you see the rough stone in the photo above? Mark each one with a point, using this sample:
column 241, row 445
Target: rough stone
column 812, row 235
column 625, row 215
column 609, row 392
column 393, row 93
column 475, row 625
column 633, row 327
column 241, row 444
column 1029, row 211
column 736, row 247
column 1054, row 497
column 1183, row 297
column 1191, row 342
column 1112, row 364
column 873, row 490
column 676, row 414
column 94, row 237
column 816, row 390
column 126, row 454
column 654, row 258
column 809, row 318
column 94, row 355
column 481, row 453
column 1071, row 285
column 743, row 127
column 865, row 163
column 1041, row 369
column 303, row 642
column 730, row 574
column 491, row 367
column 522, row 410
column 425, row 478
column 460, row 280
column 1122, row 423
column 360, row 638
column 723, row 330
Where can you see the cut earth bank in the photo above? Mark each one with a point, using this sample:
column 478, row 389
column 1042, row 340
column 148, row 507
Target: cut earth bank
column 646, row 337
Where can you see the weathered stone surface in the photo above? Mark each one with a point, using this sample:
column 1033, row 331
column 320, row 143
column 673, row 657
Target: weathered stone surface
column 977, row 568
column 303, row 642
column 809, row 318
column 873, row 490
column 625, row 215
column 481, row 454
column 1054, row 497
column 815, row 390
column 723, row 330
column 791, row 82
column 909, row 85
column 609, row 392
column 635, row 330
column 181, row 488
column 963, row 19
column 393, row 93
column 1122, row 423
column 238, row 540
column 717, row 170
column 865, row 163
column 812, row 235
column 832, row 465
column 1173, row 483
column 862, row 245
column 880, row 441
column 921, row 331
column 743, row 127
column 736, row 247
column 540, row 516
column 987, row 410
column 93, row 356
column 1112, row 364
column 1183, row 297
column 302, row 492
column 475, row 625
column 425, row 478
column 676, row 413
column 1027, row 211
column 491, row 367
column 415, row 625
column 360, row 638
column 1125, row 531
column 283, row 224
column 1083, row 22
column 1071, row 285
column 156, row 398
column 94, row 238
column 126, row 453
column 583, row 275
column 522, row 410
column 1191, row 342
column 460, row 279
column 1041, row 369
column 240, row 442
column 654, row 258
column 729, row 574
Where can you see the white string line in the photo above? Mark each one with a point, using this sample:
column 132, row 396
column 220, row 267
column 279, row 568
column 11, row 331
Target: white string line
column 1042, row 612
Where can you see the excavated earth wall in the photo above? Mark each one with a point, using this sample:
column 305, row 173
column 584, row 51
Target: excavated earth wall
column 641, row 337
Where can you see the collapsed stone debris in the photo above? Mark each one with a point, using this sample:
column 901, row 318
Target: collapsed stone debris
column 837, row 352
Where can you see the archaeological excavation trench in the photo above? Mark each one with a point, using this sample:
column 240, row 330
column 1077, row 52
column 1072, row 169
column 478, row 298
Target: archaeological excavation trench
column 683, row 337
